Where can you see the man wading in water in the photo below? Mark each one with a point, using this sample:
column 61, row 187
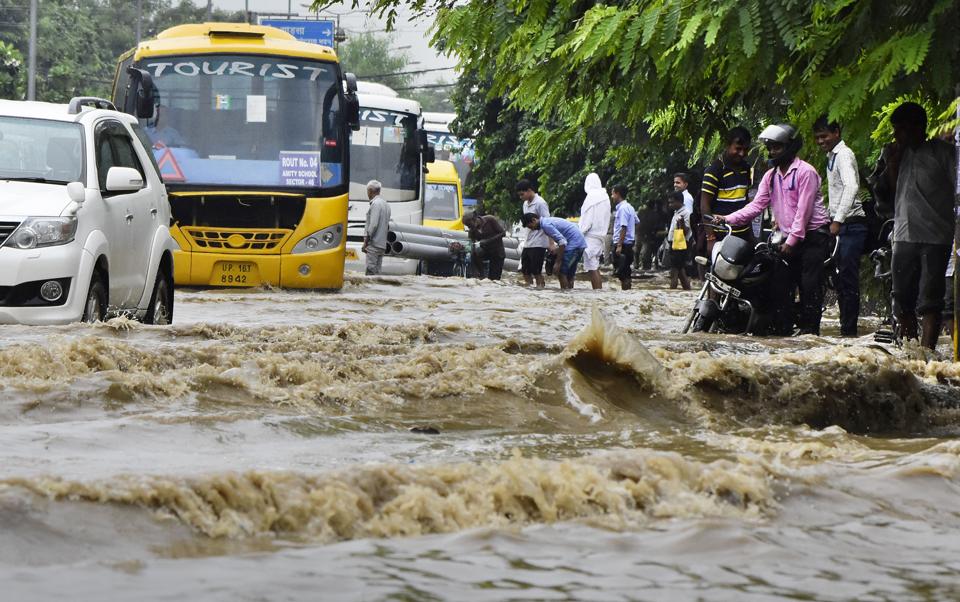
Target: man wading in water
column 570, row 244
column 535, row 245
column 375, row 234
column 488, row 235
column 594, row 224
column 923, row 173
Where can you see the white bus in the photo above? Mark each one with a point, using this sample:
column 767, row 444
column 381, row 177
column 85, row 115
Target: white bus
column 389, row 147
column 459, row 151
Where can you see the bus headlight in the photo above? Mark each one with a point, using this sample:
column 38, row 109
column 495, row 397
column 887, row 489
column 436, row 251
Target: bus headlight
column 322, row 240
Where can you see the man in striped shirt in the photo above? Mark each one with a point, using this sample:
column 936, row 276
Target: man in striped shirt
column 725, row 184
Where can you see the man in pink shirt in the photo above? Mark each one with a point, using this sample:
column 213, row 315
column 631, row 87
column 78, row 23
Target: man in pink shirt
column 791, row 188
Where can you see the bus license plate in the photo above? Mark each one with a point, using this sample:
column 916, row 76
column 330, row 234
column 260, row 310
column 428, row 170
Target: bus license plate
column 235, row 273
column 352, row 255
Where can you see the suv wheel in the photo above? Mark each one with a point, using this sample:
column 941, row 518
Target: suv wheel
column 95, row 307
column 160, row 310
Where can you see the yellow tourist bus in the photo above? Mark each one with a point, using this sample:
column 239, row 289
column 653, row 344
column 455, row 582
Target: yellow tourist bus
column 250, row 130
column 443, row 200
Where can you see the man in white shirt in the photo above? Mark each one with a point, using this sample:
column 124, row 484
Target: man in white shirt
column 681, row 181
column 847, row 220
column 594, row 225
column 375, row 233
column 536, row 243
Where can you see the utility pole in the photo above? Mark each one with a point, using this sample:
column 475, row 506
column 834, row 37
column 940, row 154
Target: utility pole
column 209, row 10
column 139, row 19
column 956, row 241
column 32, row 54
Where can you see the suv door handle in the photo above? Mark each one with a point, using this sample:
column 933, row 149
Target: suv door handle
column 153, row 212
column 129, row 217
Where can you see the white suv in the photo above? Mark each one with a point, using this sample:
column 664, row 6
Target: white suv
column 84, row 216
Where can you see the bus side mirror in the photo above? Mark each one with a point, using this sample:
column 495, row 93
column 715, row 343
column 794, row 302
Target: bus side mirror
column 351, row 102
column 426, row 149
column 140, row 100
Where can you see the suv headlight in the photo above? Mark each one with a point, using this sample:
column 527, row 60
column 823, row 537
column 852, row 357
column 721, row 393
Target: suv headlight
column 328, row 238
column 36, row 232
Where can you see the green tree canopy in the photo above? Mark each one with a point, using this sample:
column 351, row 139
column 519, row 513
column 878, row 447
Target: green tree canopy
column 371, row 58
column 687, row 68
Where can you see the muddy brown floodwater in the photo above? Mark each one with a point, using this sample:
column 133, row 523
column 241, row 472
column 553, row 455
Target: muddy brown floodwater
column 440, row 439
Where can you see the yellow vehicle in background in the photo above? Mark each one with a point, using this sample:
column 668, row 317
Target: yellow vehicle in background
column 443, row 200
column 250, row 131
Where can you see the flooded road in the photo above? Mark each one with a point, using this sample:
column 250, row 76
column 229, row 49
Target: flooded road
column 420, row 438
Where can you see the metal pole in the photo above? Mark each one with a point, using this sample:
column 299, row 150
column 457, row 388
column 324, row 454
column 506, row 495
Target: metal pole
column 956, row 243
column 139, row 19
column 32, row 54
column 289, row 8
column 209, row 10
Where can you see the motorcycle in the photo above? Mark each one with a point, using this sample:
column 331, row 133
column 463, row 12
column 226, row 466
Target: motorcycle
column 882, row 256
column 732, row 298
column 737, row 297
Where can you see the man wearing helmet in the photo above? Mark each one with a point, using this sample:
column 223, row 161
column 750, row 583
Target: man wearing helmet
column 791, row 188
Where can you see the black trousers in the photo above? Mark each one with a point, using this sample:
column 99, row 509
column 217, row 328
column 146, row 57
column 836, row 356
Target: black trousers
column 804, row 271
column 623, row 262
column 494, row 268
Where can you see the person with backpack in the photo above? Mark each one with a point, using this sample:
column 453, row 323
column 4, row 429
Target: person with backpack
column 847, row 219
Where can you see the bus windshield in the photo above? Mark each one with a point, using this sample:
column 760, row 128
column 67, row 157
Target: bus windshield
column 246, row 120
column 459, row 151
column 385, row 148
column 441, row 202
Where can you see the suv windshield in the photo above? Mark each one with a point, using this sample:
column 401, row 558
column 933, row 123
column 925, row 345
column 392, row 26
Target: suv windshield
column 441, row 202
column 41, row 150
column 385, row 148
column 247, row 120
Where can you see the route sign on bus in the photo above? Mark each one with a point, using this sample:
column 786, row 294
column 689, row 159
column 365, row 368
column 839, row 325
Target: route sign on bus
column 305, row 30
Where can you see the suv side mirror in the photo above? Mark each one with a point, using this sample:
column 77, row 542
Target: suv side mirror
column 124, row 179
column 351, row 102
column 77, row 192
column 140, row 100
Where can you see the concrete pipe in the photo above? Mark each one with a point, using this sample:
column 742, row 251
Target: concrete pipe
column 411, row 250
column 428, row 231
column 421, row 239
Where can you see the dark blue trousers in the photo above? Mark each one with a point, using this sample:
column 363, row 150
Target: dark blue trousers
column 853, row 237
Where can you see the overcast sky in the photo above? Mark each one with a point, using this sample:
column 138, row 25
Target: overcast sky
column 414, row 34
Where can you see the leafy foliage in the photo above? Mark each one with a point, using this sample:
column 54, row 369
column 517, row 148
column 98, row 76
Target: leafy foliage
column 369, row 56
column 579, row 64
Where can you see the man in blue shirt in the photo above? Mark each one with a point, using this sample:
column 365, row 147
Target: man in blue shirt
column 570, row 244
column 624, row 235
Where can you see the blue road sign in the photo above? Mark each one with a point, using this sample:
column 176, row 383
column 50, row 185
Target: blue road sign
column 317, row 32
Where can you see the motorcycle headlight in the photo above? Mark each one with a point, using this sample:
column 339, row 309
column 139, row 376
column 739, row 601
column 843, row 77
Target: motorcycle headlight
column 725, row 270
column 36, row 232
column 321, row 240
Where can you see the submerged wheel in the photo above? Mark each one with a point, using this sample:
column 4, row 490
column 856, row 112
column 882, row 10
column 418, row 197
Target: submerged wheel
column 95, row 307
column 691, row 322
column 160, row 310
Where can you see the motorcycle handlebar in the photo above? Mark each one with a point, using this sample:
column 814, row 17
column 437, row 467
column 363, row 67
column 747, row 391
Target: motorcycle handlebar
column 708, row 222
